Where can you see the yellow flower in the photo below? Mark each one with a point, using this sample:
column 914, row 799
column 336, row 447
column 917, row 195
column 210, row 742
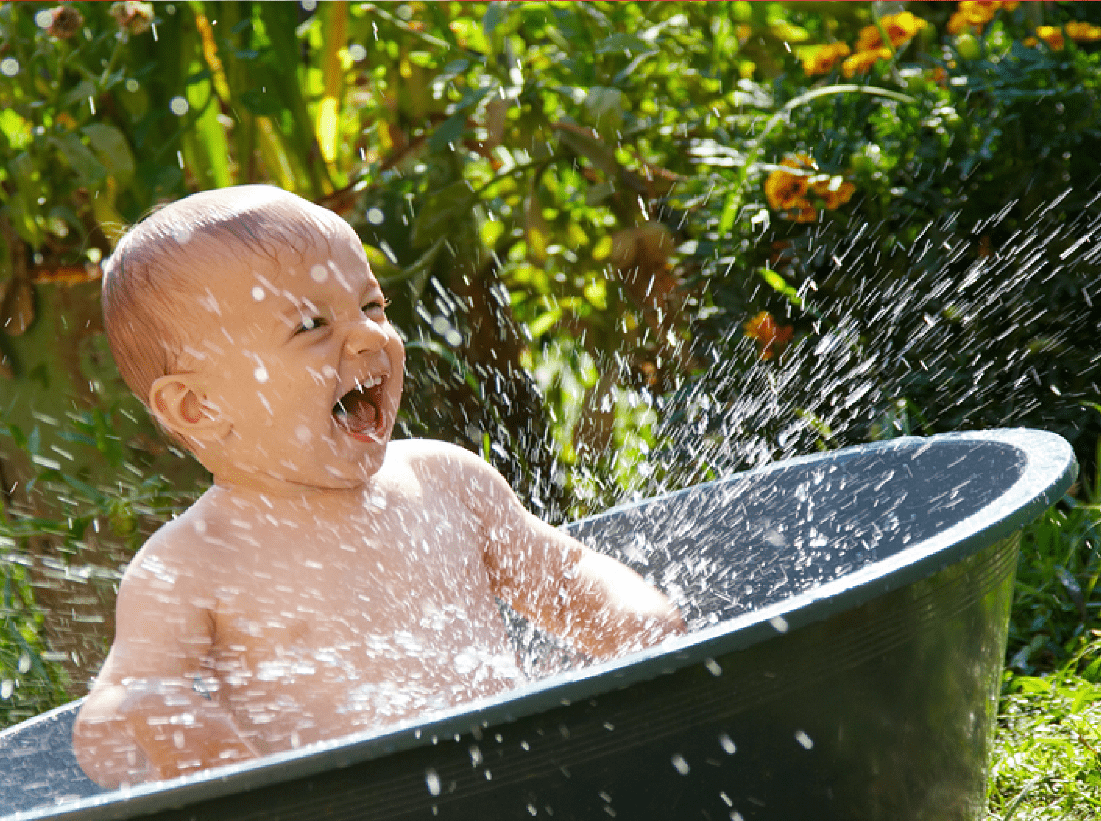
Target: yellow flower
column 862, row 61
column 1050, row 35
column 823, row 58
column 959, row 22
column 1081, row 32
column 771, row 337
column 899, row 27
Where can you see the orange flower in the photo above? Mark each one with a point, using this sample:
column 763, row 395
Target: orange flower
column 1081, row 32
column 862, row 61
column 784, row 189
column 900, row 28
column 1050, row 35
column 833, row 191
column 771, row 337
column 823, row 58
column 790, row 191
column 973, row 16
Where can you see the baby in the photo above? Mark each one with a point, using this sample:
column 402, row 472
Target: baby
column 329, row 580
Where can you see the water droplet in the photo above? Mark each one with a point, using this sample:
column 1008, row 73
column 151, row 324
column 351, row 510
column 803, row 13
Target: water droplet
column 713, row 667
column 727, row 744
column 24, row 663
column 779, row 623
column 375, row 216
column 432, row 780
column 178, row 106
column 9, row 66
column 679, row 764
column 319, row 273
column 261, row 373
column 804, row 740
column 257, row 293
column 388, row 252
column 7, row 687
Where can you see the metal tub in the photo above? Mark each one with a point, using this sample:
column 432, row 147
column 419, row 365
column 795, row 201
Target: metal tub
column 849, row 615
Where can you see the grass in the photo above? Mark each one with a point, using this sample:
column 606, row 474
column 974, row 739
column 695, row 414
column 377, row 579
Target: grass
column 1047, row 752
column 1047, row 757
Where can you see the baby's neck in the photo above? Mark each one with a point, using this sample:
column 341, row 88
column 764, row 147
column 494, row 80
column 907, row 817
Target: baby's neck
column 273, row 495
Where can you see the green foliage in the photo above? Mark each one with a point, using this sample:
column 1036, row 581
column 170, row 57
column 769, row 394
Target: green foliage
column 1047, row 759
column 30, row 679
column 1058, row 596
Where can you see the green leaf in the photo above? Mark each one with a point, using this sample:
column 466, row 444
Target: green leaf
column 781, row 286
column 449, row 132
column 112, row 149
column 447, row 205
column 623, row 42
column 80, row 158
column 261, row 103
column 83, row 90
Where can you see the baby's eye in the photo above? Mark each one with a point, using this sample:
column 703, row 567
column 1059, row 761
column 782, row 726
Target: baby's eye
column 309, row 324
column 376, row 306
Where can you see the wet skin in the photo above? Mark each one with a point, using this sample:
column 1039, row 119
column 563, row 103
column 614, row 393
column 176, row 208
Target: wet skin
column 328, row 581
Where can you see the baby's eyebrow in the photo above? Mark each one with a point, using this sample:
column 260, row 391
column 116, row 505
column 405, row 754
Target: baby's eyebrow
column 298, row 307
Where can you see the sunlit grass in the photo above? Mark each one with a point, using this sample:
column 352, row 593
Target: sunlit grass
column 1047, row 755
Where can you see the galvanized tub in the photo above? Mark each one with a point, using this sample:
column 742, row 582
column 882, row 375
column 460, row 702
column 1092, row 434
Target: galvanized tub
column 849, row 615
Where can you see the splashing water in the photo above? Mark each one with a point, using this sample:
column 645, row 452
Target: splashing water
column 934, row 338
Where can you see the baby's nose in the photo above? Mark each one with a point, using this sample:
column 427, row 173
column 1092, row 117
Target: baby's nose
column 365, row 336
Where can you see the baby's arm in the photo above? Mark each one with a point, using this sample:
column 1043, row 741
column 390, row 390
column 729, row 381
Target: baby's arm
column 143, row 719
column 592, row 601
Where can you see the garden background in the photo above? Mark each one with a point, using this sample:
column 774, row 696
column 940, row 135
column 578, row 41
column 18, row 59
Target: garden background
column 631, row 246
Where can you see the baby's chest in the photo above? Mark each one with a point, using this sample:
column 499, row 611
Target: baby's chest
column 353, row 603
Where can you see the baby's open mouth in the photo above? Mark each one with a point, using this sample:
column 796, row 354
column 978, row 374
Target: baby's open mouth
column 359, row 411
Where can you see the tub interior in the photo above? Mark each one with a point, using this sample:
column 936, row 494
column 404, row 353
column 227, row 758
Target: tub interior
column 755, row 539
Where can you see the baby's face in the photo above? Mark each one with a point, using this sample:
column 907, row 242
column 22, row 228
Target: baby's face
column 298, row 354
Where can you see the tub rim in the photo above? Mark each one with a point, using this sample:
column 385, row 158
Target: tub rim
column 1049, row 470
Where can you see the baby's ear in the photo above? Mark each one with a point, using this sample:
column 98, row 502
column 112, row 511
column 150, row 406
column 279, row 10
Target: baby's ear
column 179, row 403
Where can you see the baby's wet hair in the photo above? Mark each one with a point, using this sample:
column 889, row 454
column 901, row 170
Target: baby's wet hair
column 156, row 273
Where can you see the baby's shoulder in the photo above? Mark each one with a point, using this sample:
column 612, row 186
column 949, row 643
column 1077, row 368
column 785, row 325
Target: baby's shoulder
column 448, row 470
column 433, row 456
column 178, row 551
